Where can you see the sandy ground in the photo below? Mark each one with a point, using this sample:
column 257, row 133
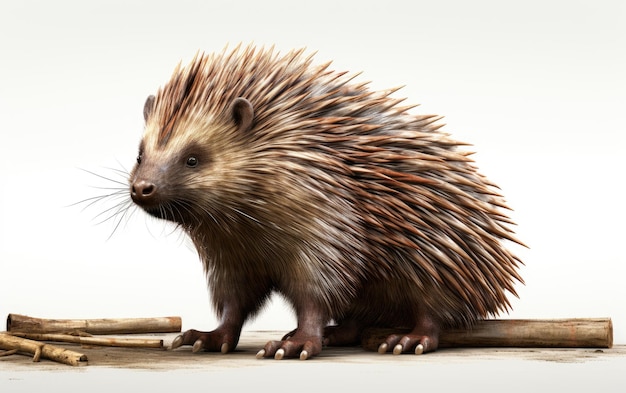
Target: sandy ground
column 336, row 369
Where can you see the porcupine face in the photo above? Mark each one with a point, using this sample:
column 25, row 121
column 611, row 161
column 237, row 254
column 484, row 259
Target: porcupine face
column 179, row 175
column 161, row 179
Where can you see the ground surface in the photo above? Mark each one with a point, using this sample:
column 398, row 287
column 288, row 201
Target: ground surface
column 337, row 369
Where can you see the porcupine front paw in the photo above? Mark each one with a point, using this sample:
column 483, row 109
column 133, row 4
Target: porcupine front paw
column 218, row 340
column 296, row 346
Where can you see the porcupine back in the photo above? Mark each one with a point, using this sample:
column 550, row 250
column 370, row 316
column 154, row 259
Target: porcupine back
column 336, row 189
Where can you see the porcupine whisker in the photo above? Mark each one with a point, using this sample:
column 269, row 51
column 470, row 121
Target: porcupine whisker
column 198, row 217
column 122, row 183
column 121, row 211
column 207, row 211
column 184, row 209
column 125, row 214
column 123, row 172
column 163, row 209
column 181, row 207
column 117, row 209
column 90, row 201
column 118, row 192
column 178, row 210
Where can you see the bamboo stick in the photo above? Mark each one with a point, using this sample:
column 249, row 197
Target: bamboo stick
column 38, row 350
column 524, row 333
column 26, row 324
column 95, row 341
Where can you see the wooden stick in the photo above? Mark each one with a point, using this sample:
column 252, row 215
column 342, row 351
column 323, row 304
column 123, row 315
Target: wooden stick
column 37, row 349
column 25, row 324
column 8, row 353
column 539, row 333
column 99, row 341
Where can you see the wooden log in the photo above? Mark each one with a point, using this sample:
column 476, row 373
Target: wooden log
column 38, row 350
column 26, row 324
column 94, row 341
column 523, row 333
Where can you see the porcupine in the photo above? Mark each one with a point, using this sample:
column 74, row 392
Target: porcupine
column 293, row 178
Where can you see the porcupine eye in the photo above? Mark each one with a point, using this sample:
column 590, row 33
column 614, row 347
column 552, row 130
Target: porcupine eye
column 192, row 161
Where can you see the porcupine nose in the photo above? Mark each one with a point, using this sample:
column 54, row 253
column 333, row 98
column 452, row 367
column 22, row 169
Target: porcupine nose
column 142, row 191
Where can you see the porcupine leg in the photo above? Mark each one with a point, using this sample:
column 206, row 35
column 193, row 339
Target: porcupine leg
column 306, row 340
column 423, row 338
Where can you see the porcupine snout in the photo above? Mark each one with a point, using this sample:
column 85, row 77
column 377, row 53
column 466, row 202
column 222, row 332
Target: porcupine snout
column 143, row 192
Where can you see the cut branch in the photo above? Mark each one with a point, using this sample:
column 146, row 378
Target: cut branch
column 539, row 333
column 25, row 324
column 37, row 349
column 94, row 341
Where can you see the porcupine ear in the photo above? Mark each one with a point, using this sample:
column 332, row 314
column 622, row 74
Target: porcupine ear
column 243, row 113
column 148, row 107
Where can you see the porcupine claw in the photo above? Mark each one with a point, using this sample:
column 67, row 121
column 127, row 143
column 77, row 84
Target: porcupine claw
column 280, row 354
column 397, row 350
column 177, row 342
column 197, row 346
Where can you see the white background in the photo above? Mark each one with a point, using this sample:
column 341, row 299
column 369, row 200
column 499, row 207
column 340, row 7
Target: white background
column 538, row 88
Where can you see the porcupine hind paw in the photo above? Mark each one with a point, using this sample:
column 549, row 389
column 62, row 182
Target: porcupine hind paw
column 416, row 343
column 296, row 346
column 423, row 338
column 218, row 340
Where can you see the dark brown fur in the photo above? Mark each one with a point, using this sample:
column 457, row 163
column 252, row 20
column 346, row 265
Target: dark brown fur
column 292, row 178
